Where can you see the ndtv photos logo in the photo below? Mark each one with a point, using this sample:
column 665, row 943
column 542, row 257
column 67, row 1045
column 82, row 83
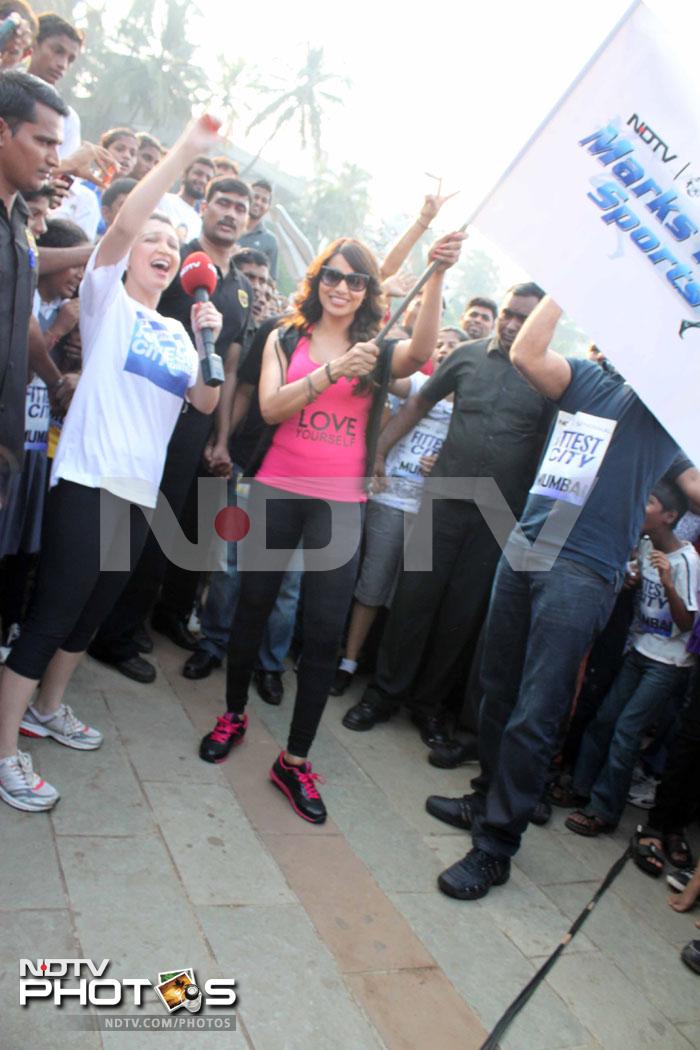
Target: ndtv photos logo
column 84, row 982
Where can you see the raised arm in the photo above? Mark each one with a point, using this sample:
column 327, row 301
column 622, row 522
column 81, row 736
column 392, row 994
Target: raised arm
column 411, row 354
column 407, row 417
column 143, row 200
column 531, row 352
column 400, row 251
column 51, row 260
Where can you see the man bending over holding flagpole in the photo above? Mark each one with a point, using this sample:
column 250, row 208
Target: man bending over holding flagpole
column 604, row 454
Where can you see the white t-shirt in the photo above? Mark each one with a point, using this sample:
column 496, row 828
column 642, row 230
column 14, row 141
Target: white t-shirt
column 71, row 134
column 82, row 206
column 184, row 218
column 137, row 368
column 655, row 633
column 402, row 467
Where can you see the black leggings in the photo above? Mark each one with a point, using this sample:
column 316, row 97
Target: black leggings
column 328, row 591
column 84, row 529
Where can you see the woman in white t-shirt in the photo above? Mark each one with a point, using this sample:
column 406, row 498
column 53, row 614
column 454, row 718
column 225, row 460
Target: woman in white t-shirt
column 138, row 366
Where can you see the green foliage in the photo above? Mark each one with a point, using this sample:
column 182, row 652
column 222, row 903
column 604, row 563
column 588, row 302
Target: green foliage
column 477, row 273
column 334, row 205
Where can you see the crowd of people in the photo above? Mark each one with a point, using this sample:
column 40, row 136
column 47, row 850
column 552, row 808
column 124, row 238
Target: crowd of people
column 501, row 537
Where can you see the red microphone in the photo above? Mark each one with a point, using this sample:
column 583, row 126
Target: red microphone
column 199, row 279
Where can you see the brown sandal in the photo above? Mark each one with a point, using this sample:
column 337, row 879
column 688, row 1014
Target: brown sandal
column 587, row 824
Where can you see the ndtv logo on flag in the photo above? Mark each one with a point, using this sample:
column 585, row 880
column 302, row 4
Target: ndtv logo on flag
column 651, row 138
column 85, row 982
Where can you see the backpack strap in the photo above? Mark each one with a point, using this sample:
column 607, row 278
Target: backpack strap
column 287, row 341
column 382, row 378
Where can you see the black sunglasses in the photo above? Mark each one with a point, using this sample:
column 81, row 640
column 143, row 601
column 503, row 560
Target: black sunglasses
column 356, row 282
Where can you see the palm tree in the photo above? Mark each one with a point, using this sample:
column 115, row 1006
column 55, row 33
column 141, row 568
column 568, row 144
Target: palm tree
column 304, row 103
column 144, row 73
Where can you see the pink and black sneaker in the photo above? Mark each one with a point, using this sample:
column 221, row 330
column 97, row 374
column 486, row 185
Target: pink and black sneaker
column 229, row 730
column 298, row 783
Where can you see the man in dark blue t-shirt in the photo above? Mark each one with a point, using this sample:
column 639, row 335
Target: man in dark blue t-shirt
column 554, row 590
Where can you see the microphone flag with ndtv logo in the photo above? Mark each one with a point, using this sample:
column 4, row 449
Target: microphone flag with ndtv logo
column 198, row 271
column 602, row 208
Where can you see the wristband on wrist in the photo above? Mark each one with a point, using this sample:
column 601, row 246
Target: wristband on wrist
column 57, row 383
column 331, row 380
column 313, row 392
column 421, row 223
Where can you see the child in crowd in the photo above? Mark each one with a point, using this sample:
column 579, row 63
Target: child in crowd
column 655, row 669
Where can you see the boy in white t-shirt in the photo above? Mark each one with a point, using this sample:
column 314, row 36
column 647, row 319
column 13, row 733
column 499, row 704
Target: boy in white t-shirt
column 654, row 671
column 138, row 367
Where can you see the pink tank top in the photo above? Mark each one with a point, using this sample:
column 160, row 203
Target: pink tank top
column 321, row 450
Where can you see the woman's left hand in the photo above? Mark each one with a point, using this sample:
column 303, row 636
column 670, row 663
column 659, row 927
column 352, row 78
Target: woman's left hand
column 446, row 250
column 205, row 315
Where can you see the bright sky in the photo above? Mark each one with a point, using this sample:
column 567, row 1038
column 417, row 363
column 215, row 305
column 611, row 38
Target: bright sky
column 453, row 88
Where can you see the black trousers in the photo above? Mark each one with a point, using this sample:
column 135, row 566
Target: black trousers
column 436, row 615
column 678, row 794
column 115, row 639
column 327, row 597
column 84, row 528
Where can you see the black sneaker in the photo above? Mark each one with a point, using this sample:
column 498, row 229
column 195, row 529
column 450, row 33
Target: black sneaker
column 365, row 714
column 459, row 812
column 298, row 784
column 434, row 730
column 343, row 680
column 691, row 955
column 455, row 753
column 542, row 813
column 269, row 686
column 679, row 878
column 474, row 875
column 229, row 730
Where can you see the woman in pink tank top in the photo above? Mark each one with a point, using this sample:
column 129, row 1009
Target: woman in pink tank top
column 316, row 389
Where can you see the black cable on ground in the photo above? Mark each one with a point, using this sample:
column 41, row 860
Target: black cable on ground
column 518, row 1003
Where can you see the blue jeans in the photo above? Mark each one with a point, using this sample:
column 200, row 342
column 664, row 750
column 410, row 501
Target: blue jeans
column 613, row 740
column 222, row 599
column 539, row 627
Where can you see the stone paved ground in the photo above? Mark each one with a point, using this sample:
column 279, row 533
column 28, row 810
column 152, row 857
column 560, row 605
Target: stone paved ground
column 337, row 935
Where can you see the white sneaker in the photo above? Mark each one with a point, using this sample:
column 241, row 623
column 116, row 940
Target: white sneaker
column 22, row 788
column 12, row 636
column 642, row 794
column 64, row 727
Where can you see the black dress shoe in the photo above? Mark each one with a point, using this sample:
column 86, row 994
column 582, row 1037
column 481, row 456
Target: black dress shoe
column 691, row 955
column 174, row 628
column 454, row 753
column 459, row 812
column 269, row 686
column 136, row 668
column 432, row 728
column 541, row 813
column 474, row 875
column 142, row 640
column 200, row 664
column 366, row 714
column 342, row 682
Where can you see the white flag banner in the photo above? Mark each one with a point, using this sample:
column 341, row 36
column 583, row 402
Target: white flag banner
column 602, row 208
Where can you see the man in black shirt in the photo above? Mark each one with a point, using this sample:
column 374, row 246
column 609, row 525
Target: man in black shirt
column 31, row 129
column 224, row 215
column 497, row 430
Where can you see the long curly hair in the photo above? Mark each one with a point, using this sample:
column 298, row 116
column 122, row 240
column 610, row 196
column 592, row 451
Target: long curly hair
column 368, row 316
